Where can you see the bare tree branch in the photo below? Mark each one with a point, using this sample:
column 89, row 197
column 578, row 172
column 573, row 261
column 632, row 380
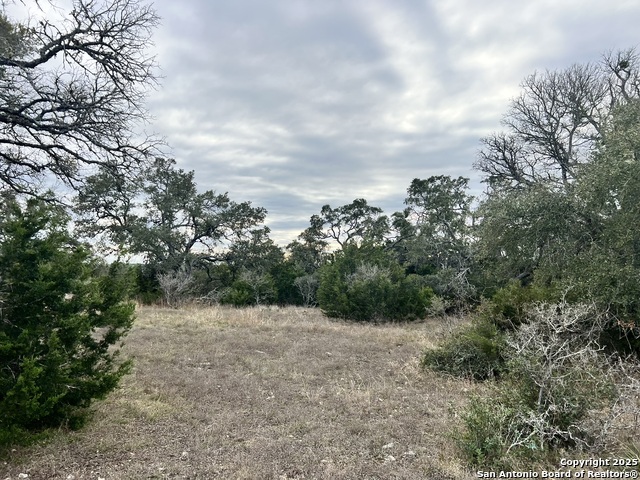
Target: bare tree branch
column 557, row 122
column 71, row 95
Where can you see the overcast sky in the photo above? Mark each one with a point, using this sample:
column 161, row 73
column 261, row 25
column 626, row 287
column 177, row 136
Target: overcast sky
column 293, row 104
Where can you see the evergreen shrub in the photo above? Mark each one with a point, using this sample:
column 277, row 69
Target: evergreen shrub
column 475, row 351
column 365, row 283
column 61, row 314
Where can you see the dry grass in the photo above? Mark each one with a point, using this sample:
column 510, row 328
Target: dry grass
column 264, row 394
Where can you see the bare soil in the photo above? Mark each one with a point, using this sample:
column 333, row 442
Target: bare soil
column 264, row 393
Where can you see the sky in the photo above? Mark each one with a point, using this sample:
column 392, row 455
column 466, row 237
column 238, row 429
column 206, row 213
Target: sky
column 294, row 104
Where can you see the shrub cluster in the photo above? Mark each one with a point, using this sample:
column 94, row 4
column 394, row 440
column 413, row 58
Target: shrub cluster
column 478, row 351
column 475, row 351
column 509, row 305
column 365, row 283
column 556, row 386
column 561, row 391
column 251, row 288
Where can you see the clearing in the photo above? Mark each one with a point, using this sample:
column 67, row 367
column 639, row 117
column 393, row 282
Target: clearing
column 264, row 393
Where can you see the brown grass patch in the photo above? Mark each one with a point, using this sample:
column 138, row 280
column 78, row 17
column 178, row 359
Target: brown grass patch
column 264, row 394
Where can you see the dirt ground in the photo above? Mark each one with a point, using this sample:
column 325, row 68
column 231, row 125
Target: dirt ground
column 264, row 393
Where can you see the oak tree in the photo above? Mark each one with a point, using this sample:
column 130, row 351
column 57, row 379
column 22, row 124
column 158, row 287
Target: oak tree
column 353, row 223
column 162, row 216
column 557, row 121
column 72, row 94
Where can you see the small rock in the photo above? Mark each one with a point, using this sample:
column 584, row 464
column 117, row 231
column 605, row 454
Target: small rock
column 389, row 459
column 388, row 446
column 23, row 475
column 184, row 455
column 410, row 453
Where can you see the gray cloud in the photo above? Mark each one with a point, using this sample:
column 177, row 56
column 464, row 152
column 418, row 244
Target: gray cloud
column 293, row 104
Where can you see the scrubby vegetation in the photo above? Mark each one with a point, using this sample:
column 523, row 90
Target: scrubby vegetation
column 61, row 312
column 367, row 283
column 546, row 264
column 560, row 392
column 475, row 351
column 560, row 333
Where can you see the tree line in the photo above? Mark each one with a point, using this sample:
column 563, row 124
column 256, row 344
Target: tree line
column 206, row 247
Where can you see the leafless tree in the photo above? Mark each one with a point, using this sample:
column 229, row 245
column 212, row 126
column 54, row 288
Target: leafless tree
column 177, row 286
column 504, row 162
column 624, row 75
column 260, row 284
column 558, row 115
column 557, row 121
column 307, row 285
column 71, row 94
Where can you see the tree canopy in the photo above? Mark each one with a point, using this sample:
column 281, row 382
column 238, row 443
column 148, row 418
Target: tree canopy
column 555, row 124
column 161, row 215
column 72, row 94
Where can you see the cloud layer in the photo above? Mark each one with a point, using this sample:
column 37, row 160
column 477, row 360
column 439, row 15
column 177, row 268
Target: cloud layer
column 293, row 104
